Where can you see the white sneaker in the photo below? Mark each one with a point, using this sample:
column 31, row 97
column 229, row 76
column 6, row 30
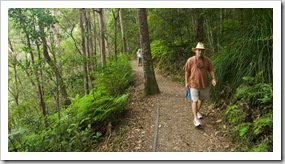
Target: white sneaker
column 199, row 115
column 196, row 122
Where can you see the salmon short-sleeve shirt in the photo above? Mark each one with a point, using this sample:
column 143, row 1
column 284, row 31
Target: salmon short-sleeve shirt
column 198, row 70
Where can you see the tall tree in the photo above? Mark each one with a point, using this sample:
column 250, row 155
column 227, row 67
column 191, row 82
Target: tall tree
column 83, row 45
column 94, row 61
column 122, row 31
column 102, row 36
column 150, row 83
column 39, row 77
column 44, row 21
column 14, row 64
column 89, row 45
column 115, row 16
column 54, row 42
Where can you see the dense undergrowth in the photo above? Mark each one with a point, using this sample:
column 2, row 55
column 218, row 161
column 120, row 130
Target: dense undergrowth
column 82, row 123
column 250, row 116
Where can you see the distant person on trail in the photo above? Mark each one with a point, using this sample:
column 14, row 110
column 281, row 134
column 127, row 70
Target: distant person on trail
column 196, row 78
column 139, row 57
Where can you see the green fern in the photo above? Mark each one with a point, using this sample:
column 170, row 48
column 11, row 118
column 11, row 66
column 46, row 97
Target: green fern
column 242, row 91
column 234, row 115
column 262, row 147
column 263, row 123
column 250, row 115
column 244, row 128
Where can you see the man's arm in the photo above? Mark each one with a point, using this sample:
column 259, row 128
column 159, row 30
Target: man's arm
column 187, row 75
column 212, row 73
column 214, row 81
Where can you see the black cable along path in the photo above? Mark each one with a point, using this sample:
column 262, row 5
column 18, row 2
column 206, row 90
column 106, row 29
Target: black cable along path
column 156, row 129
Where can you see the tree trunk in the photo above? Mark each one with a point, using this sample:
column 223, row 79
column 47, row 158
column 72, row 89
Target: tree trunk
column 115, row 32
column 89, row 36
column 89, row 45
column 200, row 29
column 54, row 67
column 106, row 36
column 54, row 43
column 40, row 79
column 94, row 61
column 123, row 33
column 102, row 38
column 55, row 28
column 83, row 45
column 150, row 83
column 14, row 63
column 39, row 85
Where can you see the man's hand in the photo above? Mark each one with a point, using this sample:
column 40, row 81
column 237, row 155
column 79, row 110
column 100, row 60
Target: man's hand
column 187, row 85
column 214, row 82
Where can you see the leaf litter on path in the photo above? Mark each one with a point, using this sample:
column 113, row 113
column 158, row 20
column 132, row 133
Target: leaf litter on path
column 176, row 132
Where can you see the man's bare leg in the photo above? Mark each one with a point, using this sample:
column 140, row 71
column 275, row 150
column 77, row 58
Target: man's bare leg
column 194, row 108
column 199, row 104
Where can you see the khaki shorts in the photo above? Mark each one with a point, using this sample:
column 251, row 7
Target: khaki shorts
column 200, row 94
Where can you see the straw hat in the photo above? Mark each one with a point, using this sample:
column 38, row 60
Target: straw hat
column 200, row 45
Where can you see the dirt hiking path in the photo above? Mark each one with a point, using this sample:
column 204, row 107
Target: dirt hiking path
column 176, row 132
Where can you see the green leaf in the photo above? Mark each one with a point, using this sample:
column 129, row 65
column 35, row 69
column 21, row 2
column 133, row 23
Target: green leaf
column 244, row 127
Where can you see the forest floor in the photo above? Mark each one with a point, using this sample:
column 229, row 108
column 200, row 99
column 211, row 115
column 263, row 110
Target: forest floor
column 176, row 132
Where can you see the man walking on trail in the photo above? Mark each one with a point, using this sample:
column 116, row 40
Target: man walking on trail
column 196, row 78
column 139, row 57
